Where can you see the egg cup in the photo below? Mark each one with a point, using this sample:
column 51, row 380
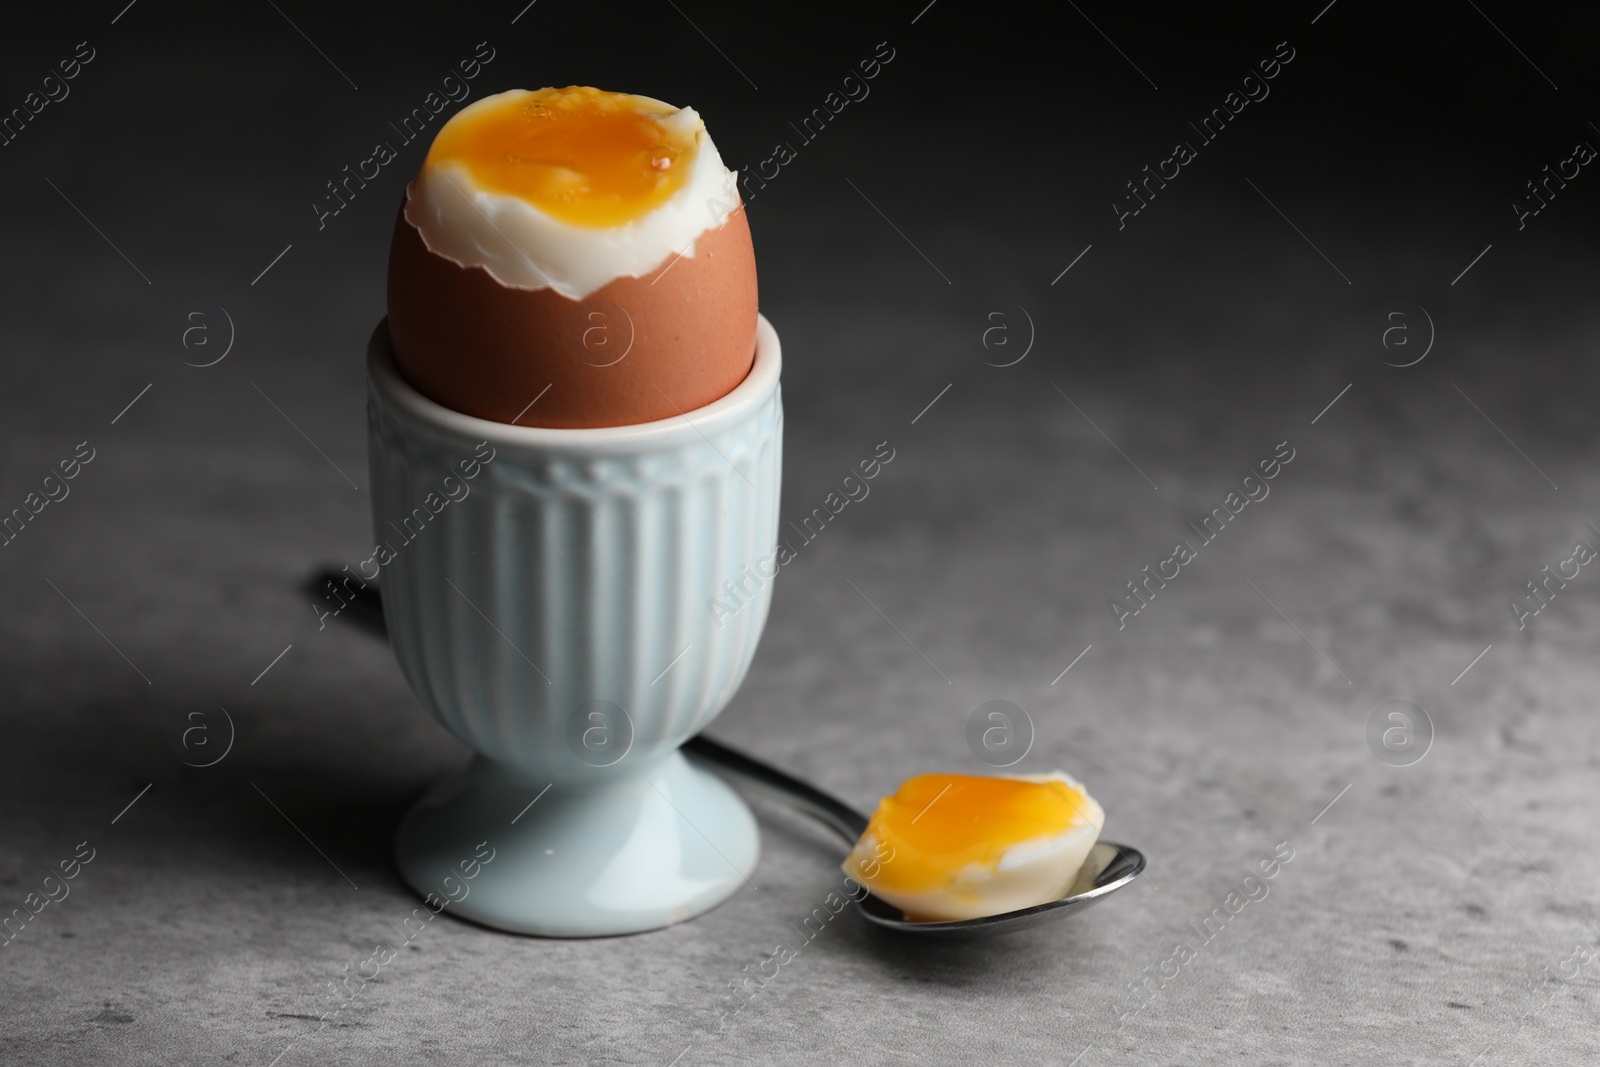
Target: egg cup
column 550, row 595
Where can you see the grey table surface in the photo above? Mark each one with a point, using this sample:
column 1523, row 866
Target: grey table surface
column 1440, row 912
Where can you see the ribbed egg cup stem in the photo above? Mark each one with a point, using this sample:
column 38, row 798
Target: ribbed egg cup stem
column 556, row 599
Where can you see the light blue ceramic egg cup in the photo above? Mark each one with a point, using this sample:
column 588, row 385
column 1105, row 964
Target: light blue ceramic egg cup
column 549, row 595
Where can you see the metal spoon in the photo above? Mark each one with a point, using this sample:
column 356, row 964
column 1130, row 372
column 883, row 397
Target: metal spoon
column 1110, row 866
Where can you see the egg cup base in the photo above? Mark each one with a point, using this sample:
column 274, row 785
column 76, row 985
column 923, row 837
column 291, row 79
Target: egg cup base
column 654, row 846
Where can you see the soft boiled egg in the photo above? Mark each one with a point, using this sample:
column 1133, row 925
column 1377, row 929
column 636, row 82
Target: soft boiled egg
column 956, row 846
column 580, row 251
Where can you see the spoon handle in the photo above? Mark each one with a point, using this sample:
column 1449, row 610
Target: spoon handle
column 844, row 820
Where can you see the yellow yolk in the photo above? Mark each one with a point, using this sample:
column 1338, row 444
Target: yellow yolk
column 936, row 825
column 581, row 155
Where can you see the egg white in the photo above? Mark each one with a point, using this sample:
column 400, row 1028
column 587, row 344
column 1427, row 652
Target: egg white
column 1030, row 872
column 524, row 248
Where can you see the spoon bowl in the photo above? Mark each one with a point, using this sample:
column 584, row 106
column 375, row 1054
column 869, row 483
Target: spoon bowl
column 1110, row 866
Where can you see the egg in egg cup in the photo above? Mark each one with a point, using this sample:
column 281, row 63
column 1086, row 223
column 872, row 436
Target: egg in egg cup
column 555, row 615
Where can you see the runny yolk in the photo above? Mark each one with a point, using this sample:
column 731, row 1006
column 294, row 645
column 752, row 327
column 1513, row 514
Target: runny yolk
column 581, row 155
column 937, row 824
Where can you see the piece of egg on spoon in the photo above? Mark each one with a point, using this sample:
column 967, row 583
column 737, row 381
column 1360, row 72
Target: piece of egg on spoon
column 582, row 247
column 953, row 846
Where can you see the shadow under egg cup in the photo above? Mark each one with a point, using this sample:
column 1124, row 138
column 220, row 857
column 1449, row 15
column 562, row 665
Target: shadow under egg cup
column 549, row 594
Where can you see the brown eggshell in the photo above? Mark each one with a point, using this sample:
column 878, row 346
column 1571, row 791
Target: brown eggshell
column 635, row 350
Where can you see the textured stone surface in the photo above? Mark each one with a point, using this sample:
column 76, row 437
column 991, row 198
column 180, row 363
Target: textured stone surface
column 1419, row 912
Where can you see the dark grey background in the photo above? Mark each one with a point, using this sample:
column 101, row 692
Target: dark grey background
column 1429, row 916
